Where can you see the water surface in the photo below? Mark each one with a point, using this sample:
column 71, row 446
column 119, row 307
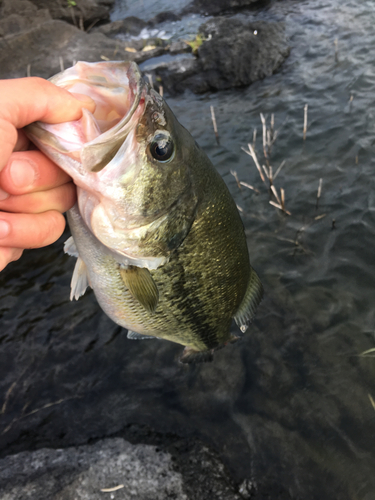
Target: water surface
column 293, row 400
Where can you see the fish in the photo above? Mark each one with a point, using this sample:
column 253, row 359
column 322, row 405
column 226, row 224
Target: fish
column 155, row 231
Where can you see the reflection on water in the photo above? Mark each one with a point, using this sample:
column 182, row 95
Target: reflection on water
column 292, row 400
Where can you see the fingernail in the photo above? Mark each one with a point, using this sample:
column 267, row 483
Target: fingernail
column 22, row 173
column 4, row 228
column 3, row 195
column 85, row 99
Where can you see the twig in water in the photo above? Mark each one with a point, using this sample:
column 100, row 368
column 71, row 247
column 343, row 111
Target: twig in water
column 234, row 173
column 264, row 128
column 278, row 170
column 28, row 70
column 336, row 42
column 350, row 101
column 280, row 200
column 369, row 353
column 48, row 405
column 249, row 186
column 115, row 488
column 254, row 137
column 305, row 121
column 321, row 216
column 273, row 189
column 61, row 63
column 214, row 125
column 105, row 58
column 251, row 153
column 319, row 193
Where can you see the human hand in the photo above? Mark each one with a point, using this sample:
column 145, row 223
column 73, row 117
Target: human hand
column 34, row 192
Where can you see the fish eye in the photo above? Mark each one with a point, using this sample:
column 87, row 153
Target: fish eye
column 162, row 148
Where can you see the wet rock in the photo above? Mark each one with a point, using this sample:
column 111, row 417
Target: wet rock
column 214, row 7
column 82, row 472
column 162, row 17
column 129, row 26
column 179, row 47
column 85, row 12
column 42, row 49
column 234, row 54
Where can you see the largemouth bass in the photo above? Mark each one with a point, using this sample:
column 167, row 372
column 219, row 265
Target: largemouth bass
column 155, row 231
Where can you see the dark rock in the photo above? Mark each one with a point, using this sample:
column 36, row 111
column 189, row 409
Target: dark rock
column 214, row 7
column 162, row 17
column 144, row 472
column 84, row 12
column 129, row 26
column 179, row 47
column 15, row 23
column 40, row 49
column 235, row 54
column 20, row 7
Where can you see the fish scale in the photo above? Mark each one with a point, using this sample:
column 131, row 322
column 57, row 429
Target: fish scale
column 155, row 231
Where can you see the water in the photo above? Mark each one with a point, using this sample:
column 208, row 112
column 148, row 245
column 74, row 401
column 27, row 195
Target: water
column 292, row 401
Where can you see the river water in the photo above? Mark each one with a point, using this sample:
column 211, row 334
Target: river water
column 294, row 400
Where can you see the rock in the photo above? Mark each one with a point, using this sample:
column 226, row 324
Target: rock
column 162, row 17
column 84, row 12
column 40, row 49
column 84, row 471
column 15, row 23
column 179, row 47
column 129, row 26
column 214, row 7
column 234, row 54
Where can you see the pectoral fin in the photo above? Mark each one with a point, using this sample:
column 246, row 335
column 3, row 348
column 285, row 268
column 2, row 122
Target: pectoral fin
column 70, row 247
column 80, row 280
column 141, row 285
column 250, row 302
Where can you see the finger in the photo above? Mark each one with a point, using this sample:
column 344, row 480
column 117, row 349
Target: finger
column 8, row 255
column 30, row 231
column 22, row 143
column 31, row 171
column 61, row 199
column 49, row 103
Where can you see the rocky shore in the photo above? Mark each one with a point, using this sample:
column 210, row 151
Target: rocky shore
column 39, row 38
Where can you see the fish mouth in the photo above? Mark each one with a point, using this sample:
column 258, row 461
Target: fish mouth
column 118, row 90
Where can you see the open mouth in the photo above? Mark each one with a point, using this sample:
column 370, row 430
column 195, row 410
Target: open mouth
column 119, row 93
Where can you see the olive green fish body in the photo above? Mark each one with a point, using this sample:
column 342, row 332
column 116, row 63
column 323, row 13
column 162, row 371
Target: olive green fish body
column 155, row 231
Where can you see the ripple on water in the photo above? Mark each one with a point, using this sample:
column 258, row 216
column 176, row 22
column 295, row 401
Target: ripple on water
column 290, row 400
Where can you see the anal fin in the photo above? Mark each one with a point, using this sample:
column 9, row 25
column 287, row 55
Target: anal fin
column 138, row 336
column 250, row 302
column 141, row 285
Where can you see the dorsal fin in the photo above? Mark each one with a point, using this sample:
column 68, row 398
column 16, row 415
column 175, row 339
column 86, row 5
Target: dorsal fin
column 254, row 293
column 141, row 285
